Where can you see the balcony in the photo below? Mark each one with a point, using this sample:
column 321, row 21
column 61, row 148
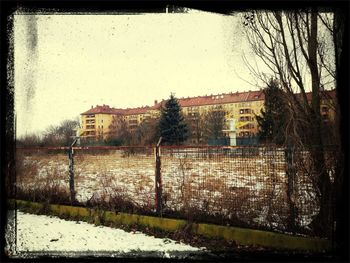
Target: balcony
column 92, row 116
column 247, row 127
column 246, row 119
column 133, row 122
column 246, row 111
column 89, row 133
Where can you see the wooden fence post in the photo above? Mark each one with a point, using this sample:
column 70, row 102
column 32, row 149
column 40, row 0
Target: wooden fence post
column 291, row 174
column 158, row 181
column 71, row 172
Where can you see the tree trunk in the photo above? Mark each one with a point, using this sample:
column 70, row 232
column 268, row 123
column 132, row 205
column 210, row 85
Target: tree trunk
column 341, row 43
column 322, row 221
column 71, row 176
column 291, row 173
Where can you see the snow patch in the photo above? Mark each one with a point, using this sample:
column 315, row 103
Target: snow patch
column 51, row 236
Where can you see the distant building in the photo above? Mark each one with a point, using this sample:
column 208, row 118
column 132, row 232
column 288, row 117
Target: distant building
column 241, row 106
column 95, row 123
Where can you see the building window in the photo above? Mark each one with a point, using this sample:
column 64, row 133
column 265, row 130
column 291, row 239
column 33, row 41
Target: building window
column 245, row 118
column 132, row 122
column 246, row 111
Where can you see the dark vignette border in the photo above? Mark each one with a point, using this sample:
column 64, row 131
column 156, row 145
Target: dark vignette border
column 7, row 143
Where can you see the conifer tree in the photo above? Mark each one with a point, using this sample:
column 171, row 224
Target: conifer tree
column 172, row 126
column 272, row 119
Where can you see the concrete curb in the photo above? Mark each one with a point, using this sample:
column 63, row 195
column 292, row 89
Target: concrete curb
column 241, row 236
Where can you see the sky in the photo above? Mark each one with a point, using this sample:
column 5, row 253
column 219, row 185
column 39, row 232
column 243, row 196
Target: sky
column 66, row 63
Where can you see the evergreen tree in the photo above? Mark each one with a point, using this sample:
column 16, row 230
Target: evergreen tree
column 272, row 119
column 172, row 126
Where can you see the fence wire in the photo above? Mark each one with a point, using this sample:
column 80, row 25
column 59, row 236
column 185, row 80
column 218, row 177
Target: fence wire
column 244, row 186
column 121, row 178
column 261, row 187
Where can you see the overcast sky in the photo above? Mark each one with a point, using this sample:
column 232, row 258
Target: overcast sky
column 66, row 63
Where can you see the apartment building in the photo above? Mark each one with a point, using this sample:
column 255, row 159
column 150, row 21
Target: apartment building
column 241, row 106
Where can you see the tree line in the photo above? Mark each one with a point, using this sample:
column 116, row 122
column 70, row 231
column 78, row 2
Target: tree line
column 55, row 135
column 176, row 128
column 173, row 126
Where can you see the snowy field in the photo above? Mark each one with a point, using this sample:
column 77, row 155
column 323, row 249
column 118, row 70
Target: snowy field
column 249, row 186
column 29, row 235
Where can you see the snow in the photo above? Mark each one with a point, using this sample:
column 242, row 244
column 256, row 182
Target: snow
column 233, row 184
column 38, row 235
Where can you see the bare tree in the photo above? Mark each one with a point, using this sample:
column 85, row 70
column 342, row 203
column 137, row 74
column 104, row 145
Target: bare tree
column 147, row 132
column 341, row 46
column 295, row 52
column 51, row 136
column 196, row 125
column 214, row 124
column 289, row 45
column 119, row 130
column 29, row 140
column 67, row 130
column 62, row 134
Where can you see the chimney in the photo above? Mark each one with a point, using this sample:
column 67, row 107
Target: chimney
column 155, row 102
column 92, row 106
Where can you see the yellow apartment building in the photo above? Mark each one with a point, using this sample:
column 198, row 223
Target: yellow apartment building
column 241, row 106
column 96, row 121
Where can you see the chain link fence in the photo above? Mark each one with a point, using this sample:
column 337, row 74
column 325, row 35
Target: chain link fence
column 259, row 187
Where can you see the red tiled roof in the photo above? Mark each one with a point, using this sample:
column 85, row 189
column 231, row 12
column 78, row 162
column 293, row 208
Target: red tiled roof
column 217, row 99
column 132, row 111
column 158, row 105
column 199, row 101
column 222, row 98
column 105, row 109
column 102, row 109
column 327, row 94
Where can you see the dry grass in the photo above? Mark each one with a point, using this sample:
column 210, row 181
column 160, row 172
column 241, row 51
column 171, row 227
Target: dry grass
column 38, row 182
column 238, row 190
